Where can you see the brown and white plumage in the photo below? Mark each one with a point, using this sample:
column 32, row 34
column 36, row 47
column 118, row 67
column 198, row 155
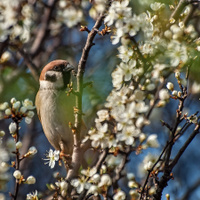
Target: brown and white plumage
column 54, row 107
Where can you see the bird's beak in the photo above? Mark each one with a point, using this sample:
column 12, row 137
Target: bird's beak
column 68, row 68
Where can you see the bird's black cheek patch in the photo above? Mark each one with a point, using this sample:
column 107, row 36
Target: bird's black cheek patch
column 66, row 78
column 50, row 77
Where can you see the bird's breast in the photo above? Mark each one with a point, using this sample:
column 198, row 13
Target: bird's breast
column 56, row 111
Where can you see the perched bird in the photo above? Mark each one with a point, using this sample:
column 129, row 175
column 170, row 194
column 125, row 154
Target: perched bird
column 54, row 106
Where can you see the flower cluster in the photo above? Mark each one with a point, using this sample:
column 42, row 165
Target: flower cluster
column 135, row 80
column 97, row 8
column 68, row 14
column 16, row 109
column 18, row 175
column 127, row 108
column 14, row 23
column 170, row 50
column 92, row 181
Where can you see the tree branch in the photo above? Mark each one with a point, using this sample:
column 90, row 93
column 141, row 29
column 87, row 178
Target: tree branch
column 77, row 154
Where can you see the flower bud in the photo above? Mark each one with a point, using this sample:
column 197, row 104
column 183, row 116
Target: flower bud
column 167, row 196
column 177, row 75
column 142, row 137
column 96, row 178
column 16, row 105
column 12, row 127
column 3, row 167
column 31, row 180
column 63, row 185
column 13, row 100
column 18, row 144
column 2, row 133
column 8, row 111
column 4, row 105
column 163, row 94
column 175, row 93
column 32, row 150
column 179, row 93
column 168, row 34
column 28, row 120
column 105, row 180
column 17, row 174
column 170, row 86
column 23, row 109
column 30, row 114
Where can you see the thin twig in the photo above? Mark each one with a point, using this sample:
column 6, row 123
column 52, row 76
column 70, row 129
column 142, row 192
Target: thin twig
column 17, row 162
column 32, row 67
column 179, row 8
column 43, row 30
column 183, row 148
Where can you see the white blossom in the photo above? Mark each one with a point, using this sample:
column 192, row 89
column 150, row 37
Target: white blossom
column 71, row 16
column 89, row 172
column 32, row 196
column 177, row 53
column 152, row 141
column 117, row 11
column 125, row 53
column 93, row 189
column 117, row 78
column 147, row 163
column 52, row 157
column 163, row 94
column 102, row 115
column 128, row 69
column 63, row 186
column 28, row 104
column 113, row 161
column 80, row 184
column 128, row 134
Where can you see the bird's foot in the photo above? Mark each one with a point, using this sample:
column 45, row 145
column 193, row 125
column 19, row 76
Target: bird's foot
column 66, row 158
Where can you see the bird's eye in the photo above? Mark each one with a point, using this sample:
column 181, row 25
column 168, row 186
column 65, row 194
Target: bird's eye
column 56, row 68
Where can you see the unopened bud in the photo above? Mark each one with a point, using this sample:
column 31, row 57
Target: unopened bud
column 17, row 174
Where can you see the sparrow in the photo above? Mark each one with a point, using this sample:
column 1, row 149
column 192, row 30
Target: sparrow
column 55, row 108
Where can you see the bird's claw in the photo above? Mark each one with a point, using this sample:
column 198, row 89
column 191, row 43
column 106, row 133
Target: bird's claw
column 66, row 158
